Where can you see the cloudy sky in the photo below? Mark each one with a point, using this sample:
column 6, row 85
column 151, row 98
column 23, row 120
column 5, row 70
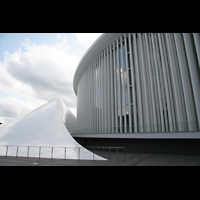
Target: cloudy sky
column 36, row 68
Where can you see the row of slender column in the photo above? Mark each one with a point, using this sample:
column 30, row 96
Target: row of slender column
column 142, row 83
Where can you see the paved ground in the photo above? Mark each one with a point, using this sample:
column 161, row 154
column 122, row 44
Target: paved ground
column 132, row 159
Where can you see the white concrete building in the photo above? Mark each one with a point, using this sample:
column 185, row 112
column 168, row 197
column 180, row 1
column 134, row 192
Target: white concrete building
column 139, row 82
column 43, row 133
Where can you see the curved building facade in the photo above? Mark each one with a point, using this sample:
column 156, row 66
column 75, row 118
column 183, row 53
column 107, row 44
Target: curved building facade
column 139, row 82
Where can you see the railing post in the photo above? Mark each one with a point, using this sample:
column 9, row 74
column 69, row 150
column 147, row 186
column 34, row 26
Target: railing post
column 39, row 152
column 28, row 152
column 6, row 151
column 93, row 156
column 125, row 153
column 117, row 153
column 17, row 152
column 52, row 153
column 65, row 153
column 109, row 153
column 79, row 153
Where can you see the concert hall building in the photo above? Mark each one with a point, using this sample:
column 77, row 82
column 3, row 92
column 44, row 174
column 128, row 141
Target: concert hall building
column 139, row 82
column 142, row 83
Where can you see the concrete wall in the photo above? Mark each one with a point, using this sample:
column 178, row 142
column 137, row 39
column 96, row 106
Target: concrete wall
column 179, row 146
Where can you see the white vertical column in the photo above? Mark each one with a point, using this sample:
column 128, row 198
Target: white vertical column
column 190, row 110
column 154, row 84
column 102, row 119
column 147, row 84
column 119, row 87
column 151, row 86
column 135, row 122
column 138, row 90
column 128, row 83
column 174, row 83
column 97, row 111
column 115, row 90
column 123, row 86
column 162, row 88
column 94, row 113
column 108, row 92
column 89, row 98
column 141, row 82
column 99, row 93
column 95, row 99
column 181, row 97
column 165, row 83
column 197, row 45
column 111, row 90
column 158, row 84
column 146, row 98
column 92, row 96
column 194, row 72
column 169, row 81
column 103, row 92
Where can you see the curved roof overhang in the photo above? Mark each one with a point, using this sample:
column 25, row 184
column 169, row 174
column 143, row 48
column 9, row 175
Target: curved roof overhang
column 95, row 49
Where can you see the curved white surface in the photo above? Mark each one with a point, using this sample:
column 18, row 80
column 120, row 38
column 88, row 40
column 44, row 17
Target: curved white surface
column 139, row 83
column 42, row 127
column 102, row 42
column 67, row 116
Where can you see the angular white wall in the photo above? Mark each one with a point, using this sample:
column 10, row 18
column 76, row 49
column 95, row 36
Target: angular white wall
column 43, row 128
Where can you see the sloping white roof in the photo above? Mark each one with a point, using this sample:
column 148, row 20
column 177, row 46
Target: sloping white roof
column 43, row 128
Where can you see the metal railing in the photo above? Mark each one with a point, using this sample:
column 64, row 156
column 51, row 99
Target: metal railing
column 92, row 148
column 39, row 153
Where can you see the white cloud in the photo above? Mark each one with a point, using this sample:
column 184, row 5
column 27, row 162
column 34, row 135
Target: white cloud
column 11, row 107
column 86, row 38
column 39, row 74
column 59, row 36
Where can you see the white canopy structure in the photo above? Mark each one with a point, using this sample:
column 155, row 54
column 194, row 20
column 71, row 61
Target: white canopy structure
column 43, row 133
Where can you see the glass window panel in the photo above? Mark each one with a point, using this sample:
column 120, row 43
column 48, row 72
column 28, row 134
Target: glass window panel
column 22, row 151
column 132, row 111
column 125, row 78
column 130, row 80
column 127, row 110
column 3, row 150
column 131, row 95
column 120, row 62
column 126, row 95
column 121, row 78
column 127, row 45
column 122, row 110
column 123, row 49
column 124, row 58
column 12, row 150
column 128, row 64
column 118, row 98
column 124, row 62
column 118, row 114
column 59, row 152
column 122, row 93
column 33, row 151
column 46, row 152
column 116, row 63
